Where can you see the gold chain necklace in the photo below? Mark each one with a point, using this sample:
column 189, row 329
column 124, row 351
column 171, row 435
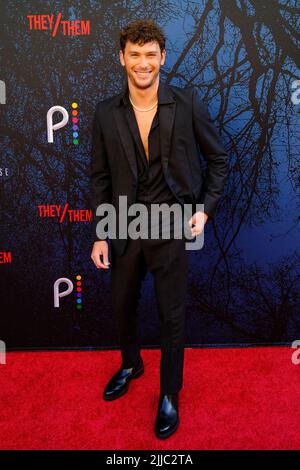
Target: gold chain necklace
column 143, row 110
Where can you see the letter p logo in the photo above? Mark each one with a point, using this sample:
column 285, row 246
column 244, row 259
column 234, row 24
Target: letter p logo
column 58, row 293
column 53, row 127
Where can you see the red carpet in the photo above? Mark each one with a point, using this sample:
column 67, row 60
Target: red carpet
column 233, row 398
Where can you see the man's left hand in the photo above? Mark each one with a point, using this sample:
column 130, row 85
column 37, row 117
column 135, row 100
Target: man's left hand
column 198, row 220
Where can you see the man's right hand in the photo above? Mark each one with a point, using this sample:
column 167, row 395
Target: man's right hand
column 100, row 249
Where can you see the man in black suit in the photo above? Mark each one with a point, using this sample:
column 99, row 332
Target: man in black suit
column 147, row 145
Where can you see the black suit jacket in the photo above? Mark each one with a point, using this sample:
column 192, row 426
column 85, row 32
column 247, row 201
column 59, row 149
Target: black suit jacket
column 194, row 160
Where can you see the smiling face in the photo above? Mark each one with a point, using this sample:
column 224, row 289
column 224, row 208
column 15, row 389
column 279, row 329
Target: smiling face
column 142, row 63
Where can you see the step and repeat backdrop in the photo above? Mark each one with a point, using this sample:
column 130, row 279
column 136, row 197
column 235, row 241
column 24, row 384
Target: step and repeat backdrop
column 58, row 59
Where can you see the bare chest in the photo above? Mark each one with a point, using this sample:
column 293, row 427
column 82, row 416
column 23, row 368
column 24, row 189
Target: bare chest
column 144, row 121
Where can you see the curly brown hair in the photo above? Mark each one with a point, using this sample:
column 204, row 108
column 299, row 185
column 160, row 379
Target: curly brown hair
column 140, row 32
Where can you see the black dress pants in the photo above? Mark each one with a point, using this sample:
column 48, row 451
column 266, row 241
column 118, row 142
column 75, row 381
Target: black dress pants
column 167, row 260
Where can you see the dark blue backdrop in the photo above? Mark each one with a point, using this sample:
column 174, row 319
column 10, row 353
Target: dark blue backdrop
column 243, row 56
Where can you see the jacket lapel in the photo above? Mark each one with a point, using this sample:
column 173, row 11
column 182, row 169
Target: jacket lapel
column 126, row 139
column 166, row 115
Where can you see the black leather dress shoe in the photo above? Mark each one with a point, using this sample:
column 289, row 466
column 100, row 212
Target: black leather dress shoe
column 167, row 419
column 118, row 384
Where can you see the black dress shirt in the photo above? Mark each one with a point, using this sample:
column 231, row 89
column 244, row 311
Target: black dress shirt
column 152, row 185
